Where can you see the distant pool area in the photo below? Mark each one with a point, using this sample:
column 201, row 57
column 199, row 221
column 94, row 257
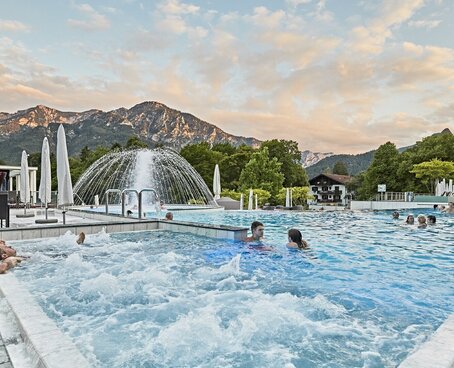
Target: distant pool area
column 367, row 293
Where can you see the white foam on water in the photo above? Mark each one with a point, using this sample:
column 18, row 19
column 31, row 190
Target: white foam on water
column 171, row 305
column 104, row 284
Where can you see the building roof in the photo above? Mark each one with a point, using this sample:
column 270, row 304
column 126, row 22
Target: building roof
column 341, row 179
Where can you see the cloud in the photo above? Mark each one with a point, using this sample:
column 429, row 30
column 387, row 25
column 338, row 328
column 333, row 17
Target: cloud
column 269, row 73
column 265, row 18
column 295, row 3
column 176, row 7
column 370, row 39
column 428, row 24
column 13, row 26
column 94, row 21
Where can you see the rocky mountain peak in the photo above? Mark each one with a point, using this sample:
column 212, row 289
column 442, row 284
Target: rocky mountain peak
column 153, row 122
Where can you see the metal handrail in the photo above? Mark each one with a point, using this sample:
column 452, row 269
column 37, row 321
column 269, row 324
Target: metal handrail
column 158, row 208
column 123, row 201
column 107, row 197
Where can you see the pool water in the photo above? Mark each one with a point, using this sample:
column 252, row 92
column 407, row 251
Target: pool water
column 367, row 292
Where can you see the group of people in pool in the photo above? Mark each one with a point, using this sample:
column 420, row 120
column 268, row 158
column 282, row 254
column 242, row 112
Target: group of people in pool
column 295, row 238
column 423, row 221
column 10, row 259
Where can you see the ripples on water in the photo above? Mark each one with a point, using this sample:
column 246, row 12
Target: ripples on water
column 368, row 291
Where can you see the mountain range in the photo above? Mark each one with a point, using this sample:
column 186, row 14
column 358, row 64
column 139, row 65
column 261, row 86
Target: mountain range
column 152, row 122
column 355, row 163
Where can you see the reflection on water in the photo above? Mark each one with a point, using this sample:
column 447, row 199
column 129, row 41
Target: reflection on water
column 364, row 295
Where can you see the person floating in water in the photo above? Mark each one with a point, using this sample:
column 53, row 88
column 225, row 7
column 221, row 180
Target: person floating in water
column 257, row 229
column 81, row 238
column 410, row 219
column 8, row 257
column 449, row 209
column 422, row 221
column 295, row 240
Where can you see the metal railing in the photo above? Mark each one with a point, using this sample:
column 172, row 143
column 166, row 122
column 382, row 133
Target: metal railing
column 107, row 197
column 398, row 196
column 123, row 201
column 158, row 205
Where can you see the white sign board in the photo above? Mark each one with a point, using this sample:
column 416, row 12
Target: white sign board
column 381, row 188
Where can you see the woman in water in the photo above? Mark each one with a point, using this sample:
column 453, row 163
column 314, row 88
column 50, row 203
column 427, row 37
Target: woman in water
column 295, row 240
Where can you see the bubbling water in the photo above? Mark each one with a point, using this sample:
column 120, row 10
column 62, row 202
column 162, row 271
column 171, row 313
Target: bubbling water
column 164, row 170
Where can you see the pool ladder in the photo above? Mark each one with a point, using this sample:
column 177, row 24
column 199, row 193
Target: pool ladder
column 139, row 198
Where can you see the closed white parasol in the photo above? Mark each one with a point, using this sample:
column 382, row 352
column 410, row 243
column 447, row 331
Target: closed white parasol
column 45, row 182
column 217, row 183
column 65, row 188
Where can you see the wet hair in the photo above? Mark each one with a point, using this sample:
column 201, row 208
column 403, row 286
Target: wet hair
column 296, row 237
column 431, row 219
column 169, row 215
column 255, row 225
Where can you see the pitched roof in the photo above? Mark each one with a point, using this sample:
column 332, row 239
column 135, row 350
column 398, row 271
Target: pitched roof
column 342, row 179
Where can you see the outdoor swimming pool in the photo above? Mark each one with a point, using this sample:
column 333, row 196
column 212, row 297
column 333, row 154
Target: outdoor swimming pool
column 365, row 295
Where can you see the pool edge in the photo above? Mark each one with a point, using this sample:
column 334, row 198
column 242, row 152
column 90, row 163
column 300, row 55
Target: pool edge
column 49, row 347
column 437, row 352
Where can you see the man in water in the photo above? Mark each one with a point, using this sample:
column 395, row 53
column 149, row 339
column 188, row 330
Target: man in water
column 169, row 216
column 257, row 229
column 396, row 215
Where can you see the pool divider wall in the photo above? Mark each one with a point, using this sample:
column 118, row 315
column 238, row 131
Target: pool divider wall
column 50, row 231
column 437, row 352
column 49, row 347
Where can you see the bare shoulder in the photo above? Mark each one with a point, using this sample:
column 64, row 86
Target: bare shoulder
column 292, row 245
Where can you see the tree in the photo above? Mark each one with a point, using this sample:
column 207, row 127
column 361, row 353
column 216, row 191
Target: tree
column 231, row 166
column 340, row 168
column 262, row 172
column 135, row 142
column 382, row 171
column 439, row 146
column 225, row 148
column 428, row 171
column 203, row 160
column 287, row 153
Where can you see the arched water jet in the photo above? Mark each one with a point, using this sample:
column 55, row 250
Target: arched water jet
column 173, row 178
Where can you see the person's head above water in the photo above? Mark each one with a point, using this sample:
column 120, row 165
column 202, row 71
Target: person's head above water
column 410, row 219
column 396, row 214
column 169, row 216
column 295, row 236
column 257, row 229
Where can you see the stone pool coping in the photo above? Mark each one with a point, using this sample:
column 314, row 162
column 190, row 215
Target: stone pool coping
column 437, row 352
column 48, row 346
column 124, row 225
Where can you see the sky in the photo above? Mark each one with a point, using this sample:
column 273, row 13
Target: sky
column 338, row 76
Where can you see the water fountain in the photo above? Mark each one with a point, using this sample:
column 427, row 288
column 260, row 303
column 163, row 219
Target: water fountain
column 170, row 175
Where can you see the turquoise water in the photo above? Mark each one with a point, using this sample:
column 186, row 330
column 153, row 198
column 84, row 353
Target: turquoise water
column 368, row 292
